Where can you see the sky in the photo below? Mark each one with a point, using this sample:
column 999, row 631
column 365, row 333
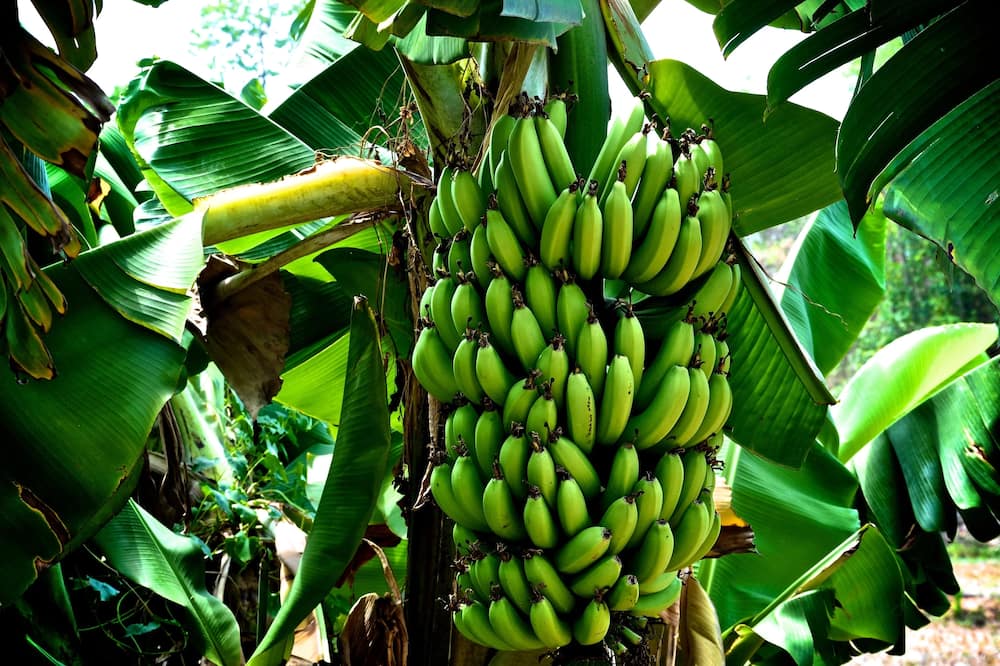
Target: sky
column 128, row 31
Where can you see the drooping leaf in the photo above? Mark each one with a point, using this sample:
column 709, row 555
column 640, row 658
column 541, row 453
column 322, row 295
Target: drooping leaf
column 893, row 107
column 828, row 315
column 901, row 375
column 700, row 639
column 781, row 169
column 740, row 19
column 323, row 41
column 426, row 49
column 356, row 472
column 859, row 32
column 948, row 193
column 172, row 566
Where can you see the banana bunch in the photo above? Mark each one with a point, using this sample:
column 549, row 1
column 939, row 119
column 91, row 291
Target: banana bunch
column 578, row 457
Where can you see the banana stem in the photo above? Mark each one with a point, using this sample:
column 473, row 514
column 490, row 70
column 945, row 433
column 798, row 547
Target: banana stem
column 338, row 186
column 303, row 248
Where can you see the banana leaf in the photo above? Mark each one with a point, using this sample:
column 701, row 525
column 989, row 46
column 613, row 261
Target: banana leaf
column 141, row 548
column 901, row 375
column 352, row 488
column 76, row 442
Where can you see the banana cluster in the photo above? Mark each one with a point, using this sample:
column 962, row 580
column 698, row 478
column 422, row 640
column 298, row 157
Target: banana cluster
column 579, row 453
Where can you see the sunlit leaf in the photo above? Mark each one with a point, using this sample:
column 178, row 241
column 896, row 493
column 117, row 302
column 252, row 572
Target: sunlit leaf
column 901, row 375
column 740, row 19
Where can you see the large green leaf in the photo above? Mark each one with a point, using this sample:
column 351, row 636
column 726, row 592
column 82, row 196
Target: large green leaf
column 947, row 192
column 895, row 106
column 901, row 375
column 813, row 503
column 828, row 315
column 781, row 169
column 141, row 548
column 352, row 486
column 322, row 116
column 76, row 442
column 323, row 40
column 740, row 19
column 192, row 138
column 852, row 36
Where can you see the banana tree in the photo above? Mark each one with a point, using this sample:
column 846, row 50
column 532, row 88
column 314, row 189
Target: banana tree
column 283, row 325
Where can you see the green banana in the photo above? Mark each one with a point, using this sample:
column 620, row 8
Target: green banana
column 687, row 178
column 571, row 505
column 657, row 583
column 715, row 227
column 592, row 351
column 459, row 429
column 544, row 577
column 623, row 594
column 656, row 173
column 705, row 351
column 692, row 529
column 514, row 583
column 484, row 573
column 695, row 468
column 593, row 623
column 434, row 220
column 552, row 630
column 583, row 549
column 432, row 365
column 476, row 621
column 527, row 162
column 488, row 437
column 555, row 110
column 499, row 305
column 508, row 623
column 571, row 312
column 598, row 577
column 616, row 401
column 620, row 517
column 467, row 309
column 588, row 234
column 714, row 530
column 557, row 160
column 616, row 244
column 469, row 199
column 628, row 164
column 480, row 255
column 439, row 260
column 693, row 414
column 581, row 411
column 553, row 364
column 513, row 461
column 525, row 331
column 499, row 136
column 449, row 214
column 699, row 157
column 484, row 176
column 676, row 349
column 540, row 295
column 543, row 415
column 651, row 605
column 503, row 517
column 464, row 367
column 444, row 291
column 734, row 290
column 445, row 498
column 570, row 456
column 711, row 149
column 722, row 365
column 661, row 236
column 467, row 487
column 677, row 272
column 623, row 474
column 630, row 341
column 463, row 538
column 621, row 128
column 460, row 254
column 557, row 229
column 710, row 293
column 541, row 471
column 424, row 309
column 648, row 503
column 720, row 405
column 504, row 245
column 539, row 521
column 520, row 398
column 512, row 206
column 670, row 473
column 652, row 557
column 651, row 425
column 492, row 372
